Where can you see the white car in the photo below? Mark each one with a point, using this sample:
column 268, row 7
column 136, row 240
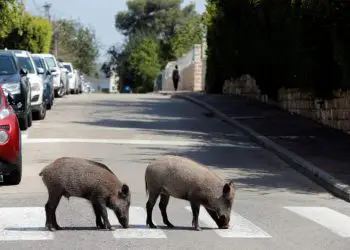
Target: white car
column 72, row 83
column 58, row 84
column 37, row 101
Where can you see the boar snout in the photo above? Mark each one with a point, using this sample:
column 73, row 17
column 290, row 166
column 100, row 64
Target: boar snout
column 124, row 221
column 224, row 222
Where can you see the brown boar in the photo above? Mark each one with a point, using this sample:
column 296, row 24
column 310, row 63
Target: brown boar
column 186, row 179
column 94, row 181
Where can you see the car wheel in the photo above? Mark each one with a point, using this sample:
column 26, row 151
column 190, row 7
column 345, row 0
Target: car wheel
column 16, row 175
column 23, row 123
column 42, row 113
column 49, row 104
column 30, row 119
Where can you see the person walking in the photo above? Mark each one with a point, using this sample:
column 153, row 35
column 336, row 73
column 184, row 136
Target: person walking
column 176, row 77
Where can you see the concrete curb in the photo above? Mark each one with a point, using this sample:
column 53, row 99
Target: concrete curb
column 328, row 182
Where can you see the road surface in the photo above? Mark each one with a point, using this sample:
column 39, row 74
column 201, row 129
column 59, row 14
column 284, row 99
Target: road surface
column 275, row 207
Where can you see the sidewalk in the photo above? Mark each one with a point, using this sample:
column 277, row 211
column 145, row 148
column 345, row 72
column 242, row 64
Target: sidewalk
column 320, row 152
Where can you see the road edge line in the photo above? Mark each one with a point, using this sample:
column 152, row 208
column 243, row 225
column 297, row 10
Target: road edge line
column 325, row 180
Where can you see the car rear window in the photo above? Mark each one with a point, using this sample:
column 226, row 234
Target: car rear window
column 7, row 65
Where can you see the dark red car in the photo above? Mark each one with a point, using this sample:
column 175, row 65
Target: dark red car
column 10, row 143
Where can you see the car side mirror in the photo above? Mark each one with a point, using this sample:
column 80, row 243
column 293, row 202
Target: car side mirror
column 23, row 71
column 41, row 71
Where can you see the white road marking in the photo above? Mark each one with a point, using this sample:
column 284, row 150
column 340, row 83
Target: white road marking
column 138, row 142
column 336, row 222
column 23, row 223
column 137, row 226
column 240, row 227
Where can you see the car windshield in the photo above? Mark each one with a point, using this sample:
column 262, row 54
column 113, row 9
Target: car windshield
column 7, row 65
column 51, row 62
column 38, row 62
column 68, row 67
column 25, row 62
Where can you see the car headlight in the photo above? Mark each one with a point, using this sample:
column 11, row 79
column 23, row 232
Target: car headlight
column 4, row 136
column 13, row 88
column 35, row 86
column 4, row 113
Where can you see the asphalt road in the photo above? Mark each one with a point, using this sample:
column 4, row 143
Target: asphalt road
column 275, row 207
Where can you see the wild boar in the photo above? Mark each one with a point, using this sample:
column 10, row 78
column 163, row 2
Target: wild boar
column 94, row 181
column 186, row 179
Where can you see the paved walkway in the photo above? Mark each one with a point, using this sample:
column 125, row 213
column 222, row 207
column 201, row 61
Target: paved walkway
column 326, row 148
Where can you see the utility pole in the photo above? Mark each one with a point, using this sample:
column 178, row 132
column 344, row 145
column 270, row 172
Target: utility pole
column 47, row 7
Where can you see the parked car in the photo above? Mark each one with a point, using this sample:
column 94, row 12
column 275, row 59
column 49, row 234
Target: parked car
column 79, row 81
column 72, row 81
column 47, row 78
column 14, row 80
column 64, row 77
column 58, row 78
column 10, row 142
column 38, row 104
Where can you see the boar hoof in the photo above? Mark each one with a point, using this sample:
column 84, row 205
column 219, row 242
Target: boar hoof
column 151, row 225
column 169, row 225
column 197, row 228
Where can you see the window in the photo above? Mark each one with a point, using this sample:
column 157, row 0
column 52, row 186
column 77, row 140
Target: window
column 7, row 65
column 38, row 62
column 68, row 67
column 25, row 62
column 50, row 62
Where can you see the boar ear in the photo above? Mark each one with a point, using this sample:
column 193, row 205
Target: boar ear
column 226, row 190
column 125, row 189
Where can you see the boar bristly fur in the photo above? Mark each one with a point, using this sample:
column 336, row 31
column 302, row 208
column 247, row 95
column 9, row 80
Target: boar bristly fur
column 94, row 181
column 186, row 179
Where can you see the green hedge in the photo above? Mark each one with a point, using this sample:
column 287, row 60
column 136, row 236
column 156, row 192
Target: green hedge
column 20, row 30
column 285, row 43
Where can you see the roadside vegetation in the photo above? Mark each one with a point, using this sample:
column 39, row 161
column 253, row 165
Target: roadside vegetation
column 20, row 30
column 301, row 44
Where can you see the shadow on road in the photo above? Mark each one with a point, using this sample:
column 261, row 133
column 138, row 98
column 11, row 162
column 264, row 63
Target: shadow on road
column 251, row 168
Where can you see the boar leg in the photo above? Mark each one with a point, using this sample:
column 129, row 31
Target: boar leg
column 99, row 223
column 50, row 210
column 195, row 212
column 152, row 199
column 103, row 212
column 163, row 203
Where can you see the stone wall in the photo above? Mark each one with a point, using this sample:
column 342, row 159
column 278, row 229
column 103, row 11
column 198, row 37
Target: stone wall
column 334, row 113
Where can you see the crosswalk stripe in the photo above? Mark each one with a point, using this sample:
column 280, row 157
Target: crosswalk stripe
column 23, row 223
column 137, row 226
column 240, row 227
column 336, row 222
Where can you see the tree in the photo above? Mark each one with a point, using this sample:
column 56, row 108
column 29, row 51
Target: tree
column 167, row 28
column 144, row 64
column 78, row 44
column 32, row 33
column 10, row 12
